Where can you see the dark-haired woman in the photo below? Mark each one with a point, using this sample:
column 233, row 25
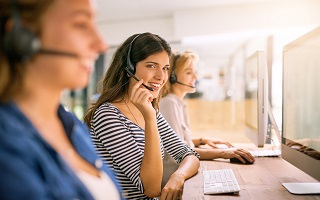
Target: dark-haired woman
column 126, row 127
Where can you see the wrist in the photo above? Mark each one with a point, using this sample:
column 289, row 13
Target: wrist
column 201, row 141
column 223, row 154
column 179, row 176
column 151, row 114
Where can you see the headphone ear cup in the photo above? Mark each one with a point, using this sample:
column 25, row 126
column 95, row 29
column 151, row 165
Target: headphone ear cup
column 19, row 44
column 130, row 68
column 173, row 77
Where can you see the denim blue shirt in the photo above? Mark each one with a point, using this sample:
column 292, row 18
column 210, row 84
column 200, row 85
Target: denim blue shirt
column 31, row 169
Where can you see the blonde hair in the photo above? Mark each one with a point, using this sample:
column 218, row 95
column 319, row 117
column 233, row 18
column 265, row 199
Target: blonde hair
column 178, row 63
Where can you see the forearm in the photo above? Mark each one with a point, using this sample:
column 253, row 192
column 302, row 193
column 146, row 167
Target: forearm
column 188, row 167
column 197, row 141
column 151, row 167
column 209, row 154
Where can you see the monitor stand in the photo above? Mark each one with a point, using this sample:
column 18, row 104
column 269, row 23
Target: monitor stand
column 272, row 124
column 302, row 188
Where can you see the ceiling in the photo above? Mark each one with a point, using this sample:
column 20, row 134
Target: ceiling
column 119, row 10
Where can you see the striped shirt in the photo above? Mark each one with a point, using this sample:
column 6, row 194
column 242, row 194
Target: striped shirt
column 120, row 142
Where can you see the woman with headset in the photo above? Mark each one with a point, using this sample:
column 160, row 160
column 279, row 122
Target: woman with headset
column 181, row 82
column 46, row 47
column 127, row 128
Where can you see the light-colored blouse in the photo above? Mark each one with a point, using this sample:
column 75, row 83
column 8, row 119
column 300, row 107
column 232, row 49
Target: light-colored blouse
column 101, row 188
column 174, row 111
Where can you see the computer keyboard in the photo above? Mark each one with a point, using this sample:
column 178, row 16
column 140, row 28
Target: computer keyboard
column 265, row 152
column 220, row 181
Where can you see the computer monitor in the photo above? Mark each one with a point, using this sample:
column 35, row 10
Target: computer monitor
column 301, row 108
column 256, row 98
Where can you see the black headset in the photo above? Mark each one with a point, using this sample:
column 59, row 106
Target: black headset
column 173, row 77
column 20, row 43
column 130, row 68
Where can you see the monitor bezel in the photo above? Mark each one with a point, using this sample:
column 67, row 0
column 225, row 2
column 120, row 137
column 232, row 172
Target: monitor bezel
column 258, row 136
column 300, row 160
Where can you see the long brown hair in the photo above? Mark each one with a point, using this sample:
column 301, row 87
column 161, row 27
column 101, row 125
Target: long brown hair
column 114, row 83
column 30, row 14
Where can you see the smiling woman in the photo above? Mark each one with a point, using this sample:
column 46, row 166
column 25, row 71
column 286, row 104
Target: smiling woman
column 46, row 47
column 126, row 127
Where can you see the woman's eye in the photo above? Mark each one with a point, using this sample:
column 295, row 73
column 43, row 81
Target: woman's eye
column 166, row 68
column 151, row 66
column 82, row 26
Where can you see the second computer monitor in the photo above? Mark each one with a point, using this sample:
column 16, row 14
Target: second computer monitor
column 256, row 98
column 301, row 104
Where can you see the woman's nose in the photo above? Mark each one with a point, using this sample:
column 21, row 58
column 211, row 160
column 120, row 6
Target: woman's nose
column 195, row 76
column 160, row 74
column 99, row 43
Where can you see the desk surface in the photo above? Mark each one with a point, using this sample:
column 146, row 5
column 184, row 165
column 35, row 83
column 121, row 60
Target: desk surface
column 262, row 180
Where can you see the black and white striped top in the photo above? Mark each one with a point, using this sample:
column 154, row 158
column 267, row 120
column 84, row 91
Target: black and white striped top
column 120, row 142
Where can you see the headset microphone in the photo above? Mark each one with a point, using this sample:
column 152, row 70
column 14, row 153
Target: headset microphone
column 135, row 78
column 57, row 53
column 178, row 82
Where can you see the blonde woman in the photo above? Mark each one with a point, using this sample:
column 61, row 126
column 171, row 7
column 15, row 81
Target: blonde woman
column 181, row 82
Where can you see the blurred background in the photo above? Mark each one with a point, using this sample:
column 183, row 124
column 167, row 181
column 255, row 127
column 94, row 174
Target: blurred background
column 224, row 33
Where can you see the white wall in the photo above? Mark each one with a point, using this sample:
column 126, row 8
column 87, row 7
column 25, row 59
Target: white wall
column 246, row 18
column 117, row 32
column 243, row 18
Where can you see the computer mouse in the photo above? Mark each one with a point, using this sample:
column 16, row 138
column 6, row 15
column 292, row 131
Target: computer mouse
column 236, row 160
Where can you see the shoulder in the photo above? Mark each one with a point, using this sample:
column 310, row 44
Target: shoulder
column 106, row 109
column 107, row 115
column 17, row 141
column 161, row 121
column 168, row 104
column 8, row 115
column 13, row 124
column 169, row 99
